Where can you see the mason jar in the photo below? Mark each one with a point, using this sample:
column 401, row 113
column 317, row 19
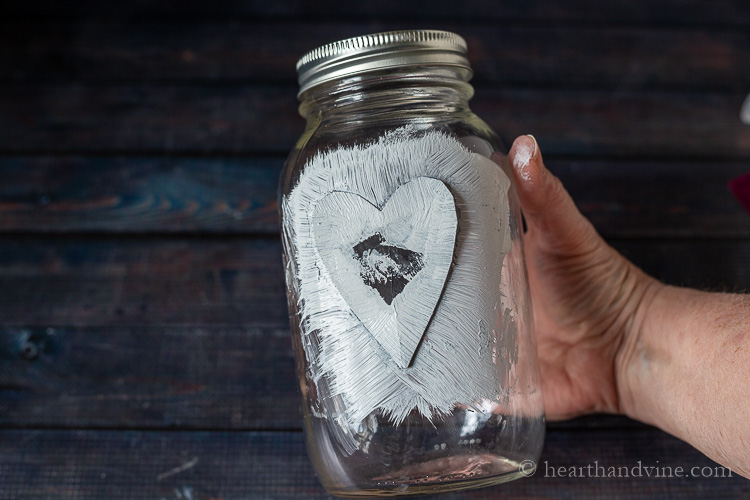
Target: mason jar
column 407, row 287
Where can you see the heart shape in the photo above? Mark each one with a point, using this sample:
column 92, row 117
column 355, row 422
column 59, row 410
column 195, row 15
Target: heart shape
column 389, row 263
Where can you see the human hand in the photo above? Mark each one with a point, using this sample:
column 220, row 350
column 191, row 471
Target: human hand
column 612, row 339
column 586, row 297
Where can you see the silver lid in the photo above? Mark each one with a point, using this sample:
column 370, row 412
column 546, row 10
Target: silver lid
column 378, row 51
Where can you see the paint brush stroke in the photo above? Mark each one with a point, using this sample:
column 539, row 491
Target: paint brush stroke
column 419, row 224
column 458, row 362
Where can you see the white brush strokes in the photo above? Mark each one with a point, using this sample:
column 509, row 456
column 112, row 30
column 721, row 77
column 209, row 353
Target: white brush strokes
column 464, row 353
column 421, row 217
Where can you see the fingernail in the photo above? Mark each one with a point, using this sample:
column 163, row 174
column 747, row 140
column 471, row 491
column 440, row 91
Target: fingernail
column 524, row 154
column 536, row 146
column 522, row 159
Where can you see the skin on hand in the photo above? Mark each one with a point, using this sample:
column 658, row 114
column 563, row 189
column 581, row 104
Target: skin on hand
column 585, row 295
column 612, row 339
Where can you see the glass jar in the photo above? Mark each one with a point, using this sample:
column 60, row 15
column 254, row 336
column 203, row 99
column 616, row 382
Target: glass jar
column 407, row 287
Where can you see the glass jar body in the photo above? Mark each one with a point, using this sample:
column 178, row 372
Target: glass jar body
column 408, row 294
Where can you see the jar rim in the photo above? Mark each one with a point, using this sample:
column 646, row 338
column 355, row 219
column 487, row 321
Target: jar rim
column 377, row 51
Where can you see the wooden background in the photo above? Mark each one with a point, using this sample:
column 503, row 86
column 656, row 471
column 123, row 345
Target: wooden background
column 144, row 340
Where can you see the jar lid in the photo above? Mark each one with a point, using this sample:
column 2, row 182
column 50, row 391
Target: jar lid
column 378, row 51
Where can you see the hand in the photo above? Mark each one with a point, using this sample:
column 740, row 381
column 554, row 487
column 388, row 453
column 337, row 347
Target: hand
column 612, row 339
column 586, row 297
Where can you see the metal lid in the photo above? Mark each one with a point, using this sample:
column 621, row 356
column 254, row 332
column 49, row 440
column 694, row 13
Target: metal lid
column 378, row 51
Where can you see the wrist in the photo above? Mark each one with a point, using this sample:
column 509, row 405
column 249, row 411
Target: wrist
column 637, row 348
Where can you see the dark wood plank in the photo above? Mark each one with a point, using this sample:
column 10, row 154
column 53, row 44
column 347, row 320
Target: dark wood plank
column 117, row 282
column 209, row 377
column 84, row 282
column 656, row 199
column 528, row 55
column 191, row 334
column 238, row 195
column 161, row 377
column 733, row 13
column 242, row 119
column 109, row 464
column 237, row 119
column 669, row 124
column 157, row 194
column 706, row 265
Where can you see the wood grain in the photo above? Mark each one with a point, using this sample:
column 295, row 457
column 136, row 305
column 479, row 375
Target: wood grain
column 515, row 54
column 161, row 377
column 656, row 199
column 113, row 281
column 163, row 333
column 254, row 119
column 140, row 194
column 144, row 341
column 158, row 377
column 232, row 465
column 238, row 195
column 720, row 13
column 85, row 282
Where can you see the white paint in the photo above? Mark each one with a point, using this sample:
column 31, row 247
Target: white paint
column 182, row 468
column 521, row 161
column 466, row 350
column 421, row 217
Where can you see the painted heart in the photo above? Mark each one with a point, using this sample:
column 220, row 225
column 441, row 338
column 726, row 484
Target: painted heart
column 389, row 263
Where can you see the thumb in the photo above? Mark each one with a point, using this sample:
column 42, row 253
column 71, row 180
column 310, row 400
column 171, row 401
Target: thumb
column 551, row 215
